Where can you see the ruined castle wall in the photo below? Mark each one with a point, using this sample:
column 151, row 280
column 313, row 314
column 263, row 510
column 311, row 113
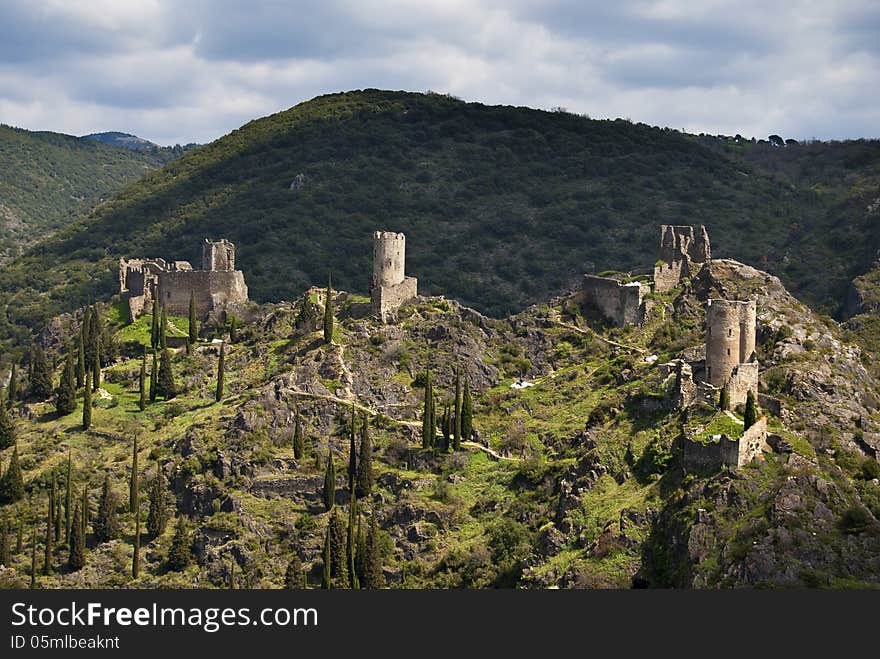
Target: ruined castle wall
column 752, row 442
column 211, row 289
column 704, row 457
column 389, row 252
column 621, row 304
column 743, row 379
column 681, row 248
column 218, row 255
column 747, row 328
column 667, row 275
column 387, row 299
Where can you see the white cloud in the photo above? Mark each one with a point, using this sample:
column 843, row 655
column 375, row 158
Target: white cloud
column 192, row 71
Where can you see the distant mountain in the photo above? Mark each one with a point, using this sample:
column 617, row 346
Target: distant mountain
column 124, row 140
column 502, row 206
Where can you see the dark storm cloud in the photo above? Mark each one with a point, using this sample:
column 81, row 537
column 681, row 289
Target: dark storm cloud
column 176, row 71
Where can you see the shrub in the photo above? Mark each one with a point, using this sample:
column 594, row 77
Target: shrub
column 855, row 519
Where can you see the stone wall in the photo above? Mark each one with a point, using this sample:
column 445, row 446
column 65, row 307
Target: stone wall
column 743, row 379
column 211, row 288
column 218, row 255
column 713, row 455
column 683, row 250
column 620, row 304
column 387, row 299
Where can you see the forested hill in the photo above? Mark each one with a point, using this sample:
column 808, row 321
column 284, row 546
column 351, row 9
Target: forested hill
column 501, row 206
column 47, row 179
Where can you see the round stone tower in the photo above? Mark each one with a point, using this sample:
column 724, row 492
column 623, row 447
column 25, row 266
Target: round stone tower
column 389, row 250
column 730, row 337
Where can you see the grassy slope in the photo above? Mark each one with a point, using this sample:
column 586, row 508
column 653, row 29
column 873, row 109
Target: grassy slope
column 501, row 205
column 50, row 178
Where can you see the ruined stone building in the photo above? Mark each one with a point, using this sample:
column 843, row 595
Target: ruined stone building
column 724, row 451
column 390, row 287
column 730, row 347
column 617, row 302
column 172, row 283
column 683, row 251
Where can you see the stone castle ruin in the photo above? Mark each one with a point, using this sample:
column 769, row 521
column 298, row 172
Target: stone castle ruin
column 390, row 287
column 617, row 302
column 171, row 283
column 683, row 251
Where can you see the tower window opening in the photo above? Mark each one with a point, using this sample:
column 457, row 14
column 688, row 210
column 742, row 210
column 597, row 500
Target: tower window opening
column 729, row 333
column 728, row 351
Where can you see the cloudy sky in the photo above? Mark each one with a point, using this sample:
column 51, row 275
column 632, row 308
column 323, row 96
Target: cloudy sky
column 177, row 71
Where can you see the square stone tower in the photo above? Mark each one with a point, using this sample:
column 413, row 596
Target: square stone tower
column 390, row 286
column 218, row 256
column 683, row 251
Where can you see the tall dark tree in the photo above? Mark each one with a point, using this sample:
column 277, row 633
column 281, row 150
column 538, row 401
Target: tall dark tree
column 157, row 518
column 142, row 384
column 193, row 319
column 106, row 525
column 163, row 328
column 328, row 312
column 65, row 395
column 327, row 554
column 429, row 427
column 456, row 436
column 4, row 542
column 724, row 398
column 373, row 577
column 751, row 413
column 446, row 429
column 339, row 557
column 467, row 412
column 12, row 392
column 33, row 556
column 93, row 349
column 329, row 492
column 165, row 384
column 41, row 374
column 221, row 367
column 87, row 402
column 136, row 553
column 49, row 541
column 154, row 327
column 59, row 521
column 154, row 379
column 80, row 370
column 364, row 481
column 19, row 537
column 7, row 427
column 77, row 558
column 84, row 506
column 68, row 496
column 233, row 330
column 180, row 553
column 298, row 440
column 352, row 452
column 351, row 543
column 11, row 483
column 293, row 579
column 56, row 510
column 133, row 480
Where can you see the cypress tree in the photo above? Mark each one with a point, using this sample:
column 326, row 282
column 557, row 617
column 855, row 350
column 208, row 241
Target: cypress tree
column 65, row 395
column 724, row 398
column 179, row 554
column 154, row 379
column 7, row 427
column 47, row 557
column 68, row 495
column 467, row 413
column 429, row 427
column 233, row 329
column 329, row 482
column 12, row 394
column 325, row 574
column 339, row 555
column 351, row 543
column 80, row 370
column 87, row 402
column 96, row 372
column 165, row 384
column 93, row 350
column 221, row 366
column 136, row 554
column 19, row 537
column 352, row 453
column 751, row 414
column 193, row 319
column 77, row 558
column 154, row 327
column 84, row 502
column 293, row 574
column 4, row 542
column 373, row 577
column 163, row 328
column 445, row 421
column 133, row 490
column 456, row 437
column 298, row 442
column 33, row 557
column 157, row 518
column 106, row 525
column 41, row 375
column 364, row 482
column 11, row 484
column 142, row 384
column 59, row 522
column 360, row 553
column 328, row 312
column 56, row 509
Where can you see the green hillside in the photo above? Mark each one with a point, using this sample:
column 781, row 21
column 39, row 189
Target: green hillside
column 501, row 205
column 46, row 179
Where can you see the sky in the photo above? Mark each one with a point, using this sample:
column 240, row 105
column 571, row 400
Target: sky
column 180, row 71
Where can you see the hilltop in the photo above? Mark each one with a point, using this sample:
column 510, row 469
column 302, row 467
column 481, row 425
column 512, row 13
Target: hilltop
column 49, row 179
column 122, row 140
column 575, row 481
column 507, row 206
